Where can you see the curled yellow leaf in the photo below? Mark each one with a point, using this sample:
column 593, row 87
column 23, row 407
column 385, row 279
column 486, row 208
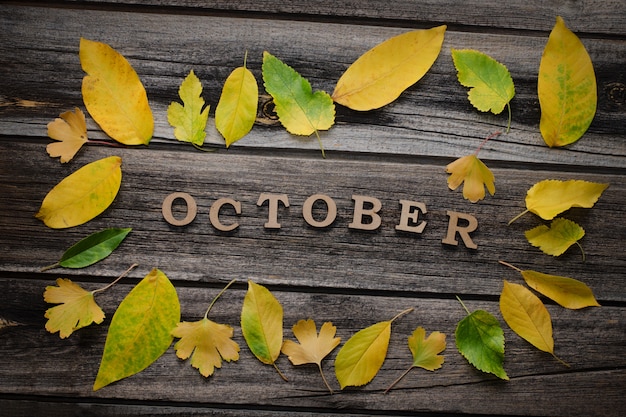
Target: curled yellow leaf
column 381, row 74
column 114, row 94
column 82, row 195
column 71, row 132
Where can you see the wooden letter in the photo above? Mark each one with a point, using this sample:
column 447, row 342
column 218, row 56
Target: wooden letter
column 331, row 210
column 214, row 213
column 272, row 222
column 408, row 213
column 192, row 209
column 453, row 228
column 359, row 212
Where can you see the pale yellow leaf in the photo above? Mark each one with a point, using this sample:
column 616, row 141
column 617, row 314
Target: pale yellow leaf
column 71, row 132
column 568, row 292
column 236, row 111
column 474, row 173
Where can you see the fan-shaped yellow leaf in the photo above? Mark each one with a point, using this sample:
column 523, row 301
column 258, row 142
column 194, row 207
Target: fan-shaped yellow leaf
column 83, row 195
column 568, row 292
column 474, row 173
column 71, row 130
column 114, row 94
column 381, row 74
column 566, row 87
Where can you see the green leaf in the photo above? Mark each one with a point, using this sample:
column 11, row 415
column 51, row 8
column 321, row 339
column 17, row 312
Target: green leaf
column 480, row 339
column 299, row 109
column 491, row 83
column 557, row 238
column 236, row 111
column 140, row 330
column 92, row 249
column 189, row 120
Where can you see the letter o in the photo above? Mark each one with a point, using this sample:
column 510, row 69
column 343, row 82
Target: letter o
column 331, row 208
column 192, row 209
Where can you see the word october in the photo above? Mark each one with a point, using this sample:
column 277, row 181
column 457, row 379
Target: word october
column 409, row 215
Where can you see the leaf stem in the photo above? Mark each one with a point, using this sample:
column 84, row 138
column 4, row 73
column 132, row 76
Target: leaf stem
column 508, row 126
column 510, row 266
column 279, row 373
column 463, row 304
column 405, row 373
column 206, row 315
column 402, row 313
column 581, row 249
column 117, row 279
column 561, row 360
column 319, row 140
column 245, row 58
column 49, row 267
column 324, row 378
column 518, row 216
column 493, row 135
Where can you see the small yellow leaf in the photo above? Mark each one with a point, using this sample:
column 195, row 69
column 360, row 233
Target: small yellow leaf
column 77, row 308
column 207, row 343
column 236, row 111
column 82, row 195
column 566, row 87
column 426, row 350
column 557, row 238
column 71, row 130
column 568, row 292
column 189, row 119
column 114, row 94
column 474, row 173
column 527, row 316
column 381, row 74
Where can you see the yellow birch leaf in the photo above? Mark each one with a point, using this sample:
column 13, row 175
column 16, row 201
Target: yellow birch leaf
column 262, row 324
column 526, row 315
column 474, row 173
column 114, row 94
column 189, row 119
column 82, row 195
column 312, row 347
column 77, row 308
column 71, row 132
column 549, row 198
column 566, row 87
column 557, row 238
column 236, row 111
column 381, row 74
column 568, row 292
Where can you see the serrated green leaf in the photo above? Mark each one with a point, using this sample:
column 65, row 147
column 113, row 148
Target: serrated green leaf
column 189, row 120
column 557, row 238
column 140, row 330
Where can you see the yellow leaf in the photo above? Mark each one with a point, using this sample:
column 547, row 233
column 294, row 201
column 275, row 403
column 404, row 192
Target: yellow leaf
column 77, row 308
column 527, row 316
column 83, row 195
column 189, row 120
column 557, row 238
column 312, row 348
column 381, row 74
column 207, row 343
column 71, row 130
column 236, row 111
column 566, row 87
column 114, row 94
column 474, row 173
column 262, row 324
column 568, row 292
column 548, row 198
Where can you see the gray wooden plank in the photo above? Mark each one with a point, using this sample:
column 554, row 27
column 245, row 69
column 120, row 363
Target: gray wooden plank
column 590, row 340
column 40, row 77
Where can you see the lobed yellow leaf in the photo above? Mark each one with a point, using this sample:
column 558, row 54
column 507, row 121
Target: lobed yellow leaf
column 566, row 87
column 236, row 111
column 381, row 74
column 568, row 292
column 114, row 94
column 474, row 173
column 82, row 195
column 426, row 350
column 71, row 130
column 189, row 119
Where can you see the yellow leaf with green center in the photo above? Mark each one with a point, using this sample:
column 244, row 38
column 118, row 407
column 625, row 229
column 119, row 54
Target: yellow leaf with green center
column 77, row 308
column 114, row 95
column 236, row 111
column 82, row 195
column 189, row 119
column 381, row 74
column 566, row 87
column 557, row 238
column 474, row 173
column 140, row 331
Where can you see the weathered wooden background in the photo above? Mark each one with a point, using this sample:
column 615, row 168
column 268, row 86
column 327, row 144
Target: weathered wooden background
column 349, row 277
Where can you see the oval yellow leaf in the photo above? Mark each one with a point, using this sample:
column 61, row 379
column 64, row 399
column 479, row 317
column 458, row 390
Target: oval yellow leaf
column 526, row 315
column 566, row 87
column 114, row 95
column 82, row 195
column 568, row 292
column 236, row 111
column 381, row 74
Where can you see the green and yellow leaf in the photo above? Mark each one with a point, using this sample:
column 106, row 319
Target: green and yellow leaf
column 557, row 238
column 189, row 119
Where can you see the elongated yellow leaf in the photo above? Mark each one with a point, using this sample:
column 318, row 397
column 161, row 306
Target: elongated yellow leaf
column 262, row 324
column 566, row 87
column 114, row 95
column 381, row 74
column 236, row 111
column 83, row 195
column 568, row 292
column 526, row 315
